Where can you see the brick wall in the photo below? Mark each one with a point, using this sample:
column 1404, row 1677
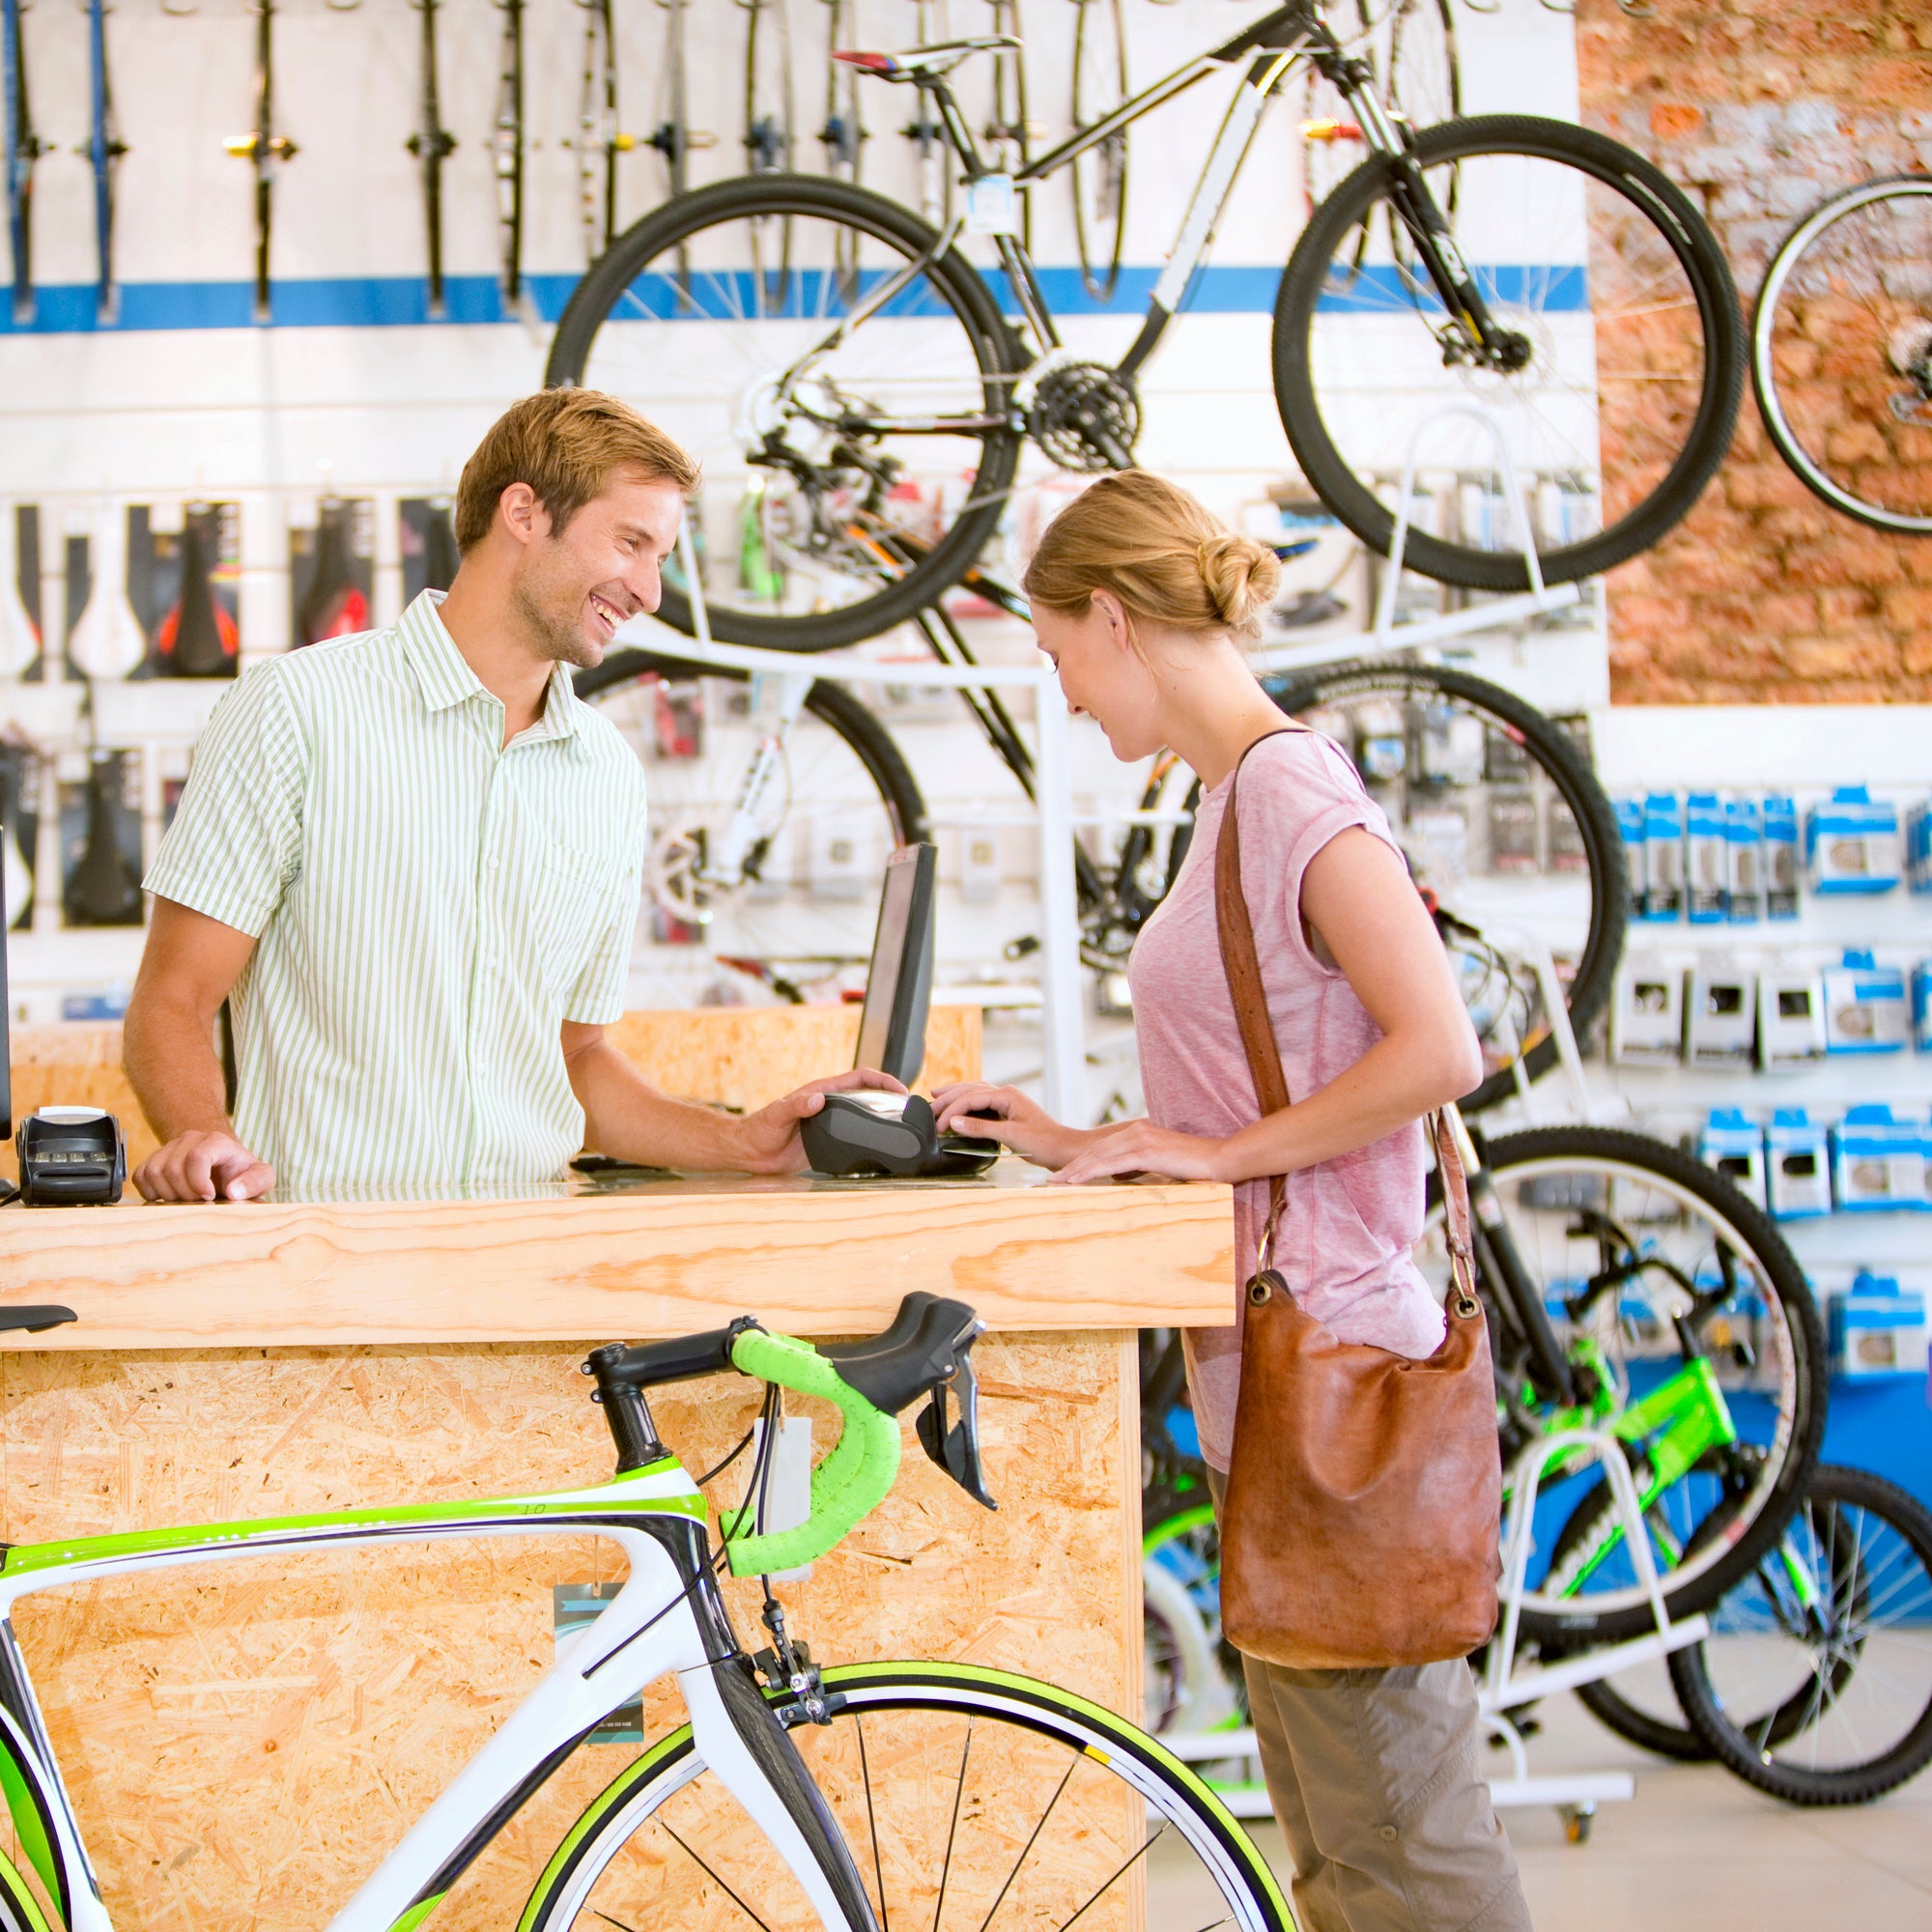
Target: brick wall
column 1760, row 108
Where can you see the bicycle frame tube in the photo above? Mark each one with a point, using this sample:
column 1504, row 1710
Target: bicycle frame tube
column 668, row 1617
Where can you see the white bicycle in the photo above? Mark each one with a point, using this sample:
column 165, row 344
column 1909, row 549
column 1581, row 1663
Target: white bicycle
column 877, row 1795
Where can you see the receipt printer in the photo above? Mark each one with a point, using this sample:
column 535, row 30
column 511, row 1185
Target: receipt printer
column 70, row 1157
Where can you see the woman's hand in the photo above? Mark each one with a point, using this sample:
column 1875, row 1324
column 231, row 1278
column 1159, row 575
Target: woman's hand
column 1139, row 1147
column 1005, row 1115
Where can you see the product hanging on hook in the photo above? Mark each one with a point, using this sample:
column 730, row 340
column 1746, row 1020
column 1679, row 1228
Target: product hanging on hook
column 104, row 888
column 673, row 136
column 106, row 641
column 263, row 149
column 23, row 148
column 844, row 133
column 430, row 144
column 334, row 604
column 198, row 637
column 102, row 152
column 923, row 132
column 599, row 140
column 768, row 140
column 506, row 148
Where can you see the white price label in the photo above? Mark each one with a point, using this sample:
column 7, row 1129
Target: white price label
column 990, row 206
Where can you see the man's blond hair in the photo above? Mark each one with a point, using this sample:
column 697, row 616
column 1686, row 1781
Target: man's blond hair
column 568, row 445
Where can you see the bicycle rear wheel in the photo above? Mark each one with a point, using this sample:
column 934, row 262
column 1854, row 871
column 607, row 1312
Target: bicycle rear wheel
column 1815, row 1683
column 1627, row 356
column 854, row 463
column 963, row 1793
column 802, row 888
column 1842, row 353
column 1678, row 1298
column 1503, row 818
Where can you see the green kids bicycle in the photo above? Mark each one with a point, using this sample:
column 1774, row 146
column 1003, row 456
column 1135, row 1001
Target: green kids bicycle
column 858, row 1798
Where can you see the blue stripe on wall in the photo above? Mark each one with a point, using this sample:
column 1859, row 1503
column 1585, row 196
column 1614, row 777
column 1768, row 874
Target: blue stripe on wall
column 396, row 301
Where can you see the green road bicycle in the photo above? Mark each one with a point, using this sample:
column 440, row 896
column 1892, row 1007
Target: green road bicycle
column 855, row 1799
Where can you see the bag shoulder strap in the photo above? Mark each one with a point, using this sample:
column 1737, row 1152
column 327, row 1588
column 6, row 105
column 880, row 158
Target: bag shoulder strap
column 1242, row 966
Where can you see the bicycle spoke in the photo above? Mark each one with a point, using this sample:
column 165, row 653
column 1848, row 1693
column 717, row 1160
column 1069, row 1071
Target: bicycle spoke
column 1032, row 1839
column 1126, row 1867
column 711, row 1873
column 953, row 1831
column 872, row 1822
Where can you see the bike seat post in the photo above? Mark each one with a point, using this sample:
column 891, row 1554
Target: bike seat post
column 625, row 1410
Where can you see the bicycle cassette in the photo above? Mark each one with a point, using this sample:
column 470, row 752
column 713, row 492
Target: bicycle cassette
column 1085, row 417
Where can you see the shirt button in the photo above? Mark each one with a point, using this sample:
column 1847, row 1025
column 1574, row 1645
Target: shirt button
column 1386, row 1833
column 492, row 863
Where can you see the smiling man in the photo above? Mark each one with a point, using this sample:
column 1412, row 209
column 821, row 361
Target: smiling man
column 411, row 861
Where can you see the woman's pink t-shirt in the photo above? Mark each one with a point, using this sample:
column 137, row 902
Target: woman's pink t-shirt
column 1350, row 1223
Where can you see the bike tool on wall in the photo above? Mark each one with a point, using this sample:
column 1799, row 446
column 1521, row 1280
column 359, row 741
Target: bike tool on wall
column 875, row 1133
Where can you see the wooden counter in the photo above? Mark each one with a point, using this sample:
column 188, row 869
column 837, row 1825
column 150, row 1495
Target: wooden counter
column 244, row 1743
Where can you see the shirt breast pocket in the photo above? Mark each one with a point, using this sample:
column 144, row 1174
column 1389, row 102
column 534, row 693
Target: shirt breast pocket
column 567, row 892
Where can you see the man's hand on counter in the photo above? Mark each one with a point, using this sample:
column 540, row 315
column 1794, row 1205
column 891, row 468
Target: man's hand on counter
column 202, row 1166
column 772, row 1144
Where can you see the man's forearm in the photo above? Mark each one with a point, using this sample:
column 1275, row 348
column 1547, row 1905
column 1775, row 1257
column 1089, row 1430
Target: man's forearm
column 170, row 1062
column 627, row 1117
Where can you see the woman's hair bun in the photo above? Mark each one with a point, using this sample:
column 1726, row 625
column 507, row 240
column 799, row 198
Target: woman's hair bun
column 1239, row 576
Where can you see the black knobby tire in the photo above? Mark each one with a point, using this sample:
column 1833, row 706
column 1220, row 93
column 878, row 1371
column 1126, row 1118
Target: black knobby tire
column 1641, row 1727
column 831, row 704
column 1781, row 1272
column 1652, row 194
column 776, row 197
column 1568, row 770
column 1751, row 1750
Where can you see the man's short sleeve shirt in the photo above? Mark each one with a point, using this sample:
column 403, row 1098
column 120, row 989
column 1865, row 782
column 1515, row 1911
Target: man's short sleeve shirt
column 428, row 905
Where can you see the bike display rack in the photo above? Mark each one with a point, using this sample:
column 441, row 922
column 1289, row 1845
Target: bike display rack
column 1063, row 1078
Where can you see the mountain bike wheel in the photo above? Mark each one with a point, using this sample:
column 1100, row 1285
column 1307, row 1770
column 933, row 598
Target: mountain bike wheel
column 843, row 524
column 1664, row 1283
column 1182, row 1560
column 1842, row 353
column 961, row 1792
column 1622, row 311
column 1099, row 177
column 1503, row 818
column 1840, row 1689
column 790, row 896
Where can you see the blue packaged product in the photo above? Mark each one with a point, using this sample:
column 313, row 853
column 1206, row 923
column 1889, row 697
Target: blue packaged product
column 1918, row 848
column 1922, row 1006
column 1733, row 1143
column 1878, row 1161
column 1706, row 858
column 1663, row 857
column 1744, row 854
column 1876, row 1327
column 1629, row 829
column 1851, row 843
column 1864, row 1005
column 1780, row 857
column 1797, row 1176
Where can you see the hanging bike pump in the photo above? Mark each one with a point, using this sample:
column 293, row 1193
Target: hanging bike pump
column 430, row 144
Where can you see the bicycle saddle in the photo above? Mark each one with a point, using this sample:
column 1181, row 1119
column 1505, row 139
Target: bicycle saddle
column 917, row 64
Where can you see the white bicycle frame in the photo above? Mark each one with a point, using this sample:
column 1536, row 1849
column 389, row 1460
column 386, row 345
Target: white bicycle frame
column 655, row 1625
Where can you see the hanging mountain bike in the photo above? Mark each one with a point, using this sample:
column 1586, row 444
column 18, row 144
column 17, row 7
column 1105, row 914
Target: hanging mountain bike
column 263, row 149
column 104, row 151
column 432, row 144
column 23, row 148
column 506, row 152
column 1543, row 272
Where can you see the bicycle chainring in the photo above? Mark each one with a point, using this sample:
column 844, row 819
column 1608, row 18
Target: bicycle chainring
column 1085, row 417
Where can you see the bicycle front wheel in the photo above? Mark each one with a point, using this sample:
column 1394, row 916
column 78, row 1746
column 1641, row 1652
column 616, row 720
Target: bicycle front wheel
column 1501, row 818
column 856, row 458
column 967, row 1795
column 1702, row 1350
column 1615, row 389
column 1815, row 1682
column 783, row 880
column 1842, row 353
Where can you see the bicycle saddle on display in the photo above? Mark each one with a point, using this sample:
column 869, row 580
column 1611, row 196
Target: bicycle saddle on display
column 924, row 62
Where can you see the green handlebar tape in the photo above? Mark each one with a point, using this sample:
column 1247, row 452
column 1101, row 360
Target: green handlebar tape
column 852, row 1482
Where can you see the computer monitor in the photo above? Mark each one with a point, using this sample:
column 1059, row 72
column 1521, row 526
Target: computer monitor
column 898, row 987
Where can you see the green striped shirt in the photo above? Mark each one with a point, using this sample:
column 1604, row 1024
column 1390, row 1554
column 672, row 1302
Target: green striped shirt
column 428, row 903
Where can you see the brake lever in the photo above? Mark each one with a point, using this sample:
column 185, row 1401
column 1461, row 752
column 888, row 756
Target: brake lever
column 956, row 1448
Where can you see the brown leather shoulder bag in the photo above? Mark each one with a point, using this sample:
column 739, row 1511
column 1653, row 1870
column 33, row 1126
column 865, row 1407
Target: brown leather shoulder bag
column 1365, row 1493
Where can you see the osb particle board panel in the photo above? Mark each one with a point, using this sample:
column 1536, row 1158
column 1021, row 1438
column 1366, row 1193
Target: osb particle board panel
column 808, row 1257
column 243, row 1744
column 733, row 1056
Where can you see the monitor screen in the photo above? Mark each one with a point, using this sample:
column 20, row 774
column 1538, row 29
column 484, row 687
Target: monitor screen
column 892, row 1027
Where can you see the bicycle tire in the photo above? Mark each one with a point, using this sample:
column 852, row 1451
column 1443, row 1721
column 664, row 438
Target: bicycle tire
column 1750, row 1749
column 1786, row 264
column 863, row 214
column 1612, row 1154
column 1647, row 192
column 1022, row 1715
column 1569, row 772
column 1641, row 1727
